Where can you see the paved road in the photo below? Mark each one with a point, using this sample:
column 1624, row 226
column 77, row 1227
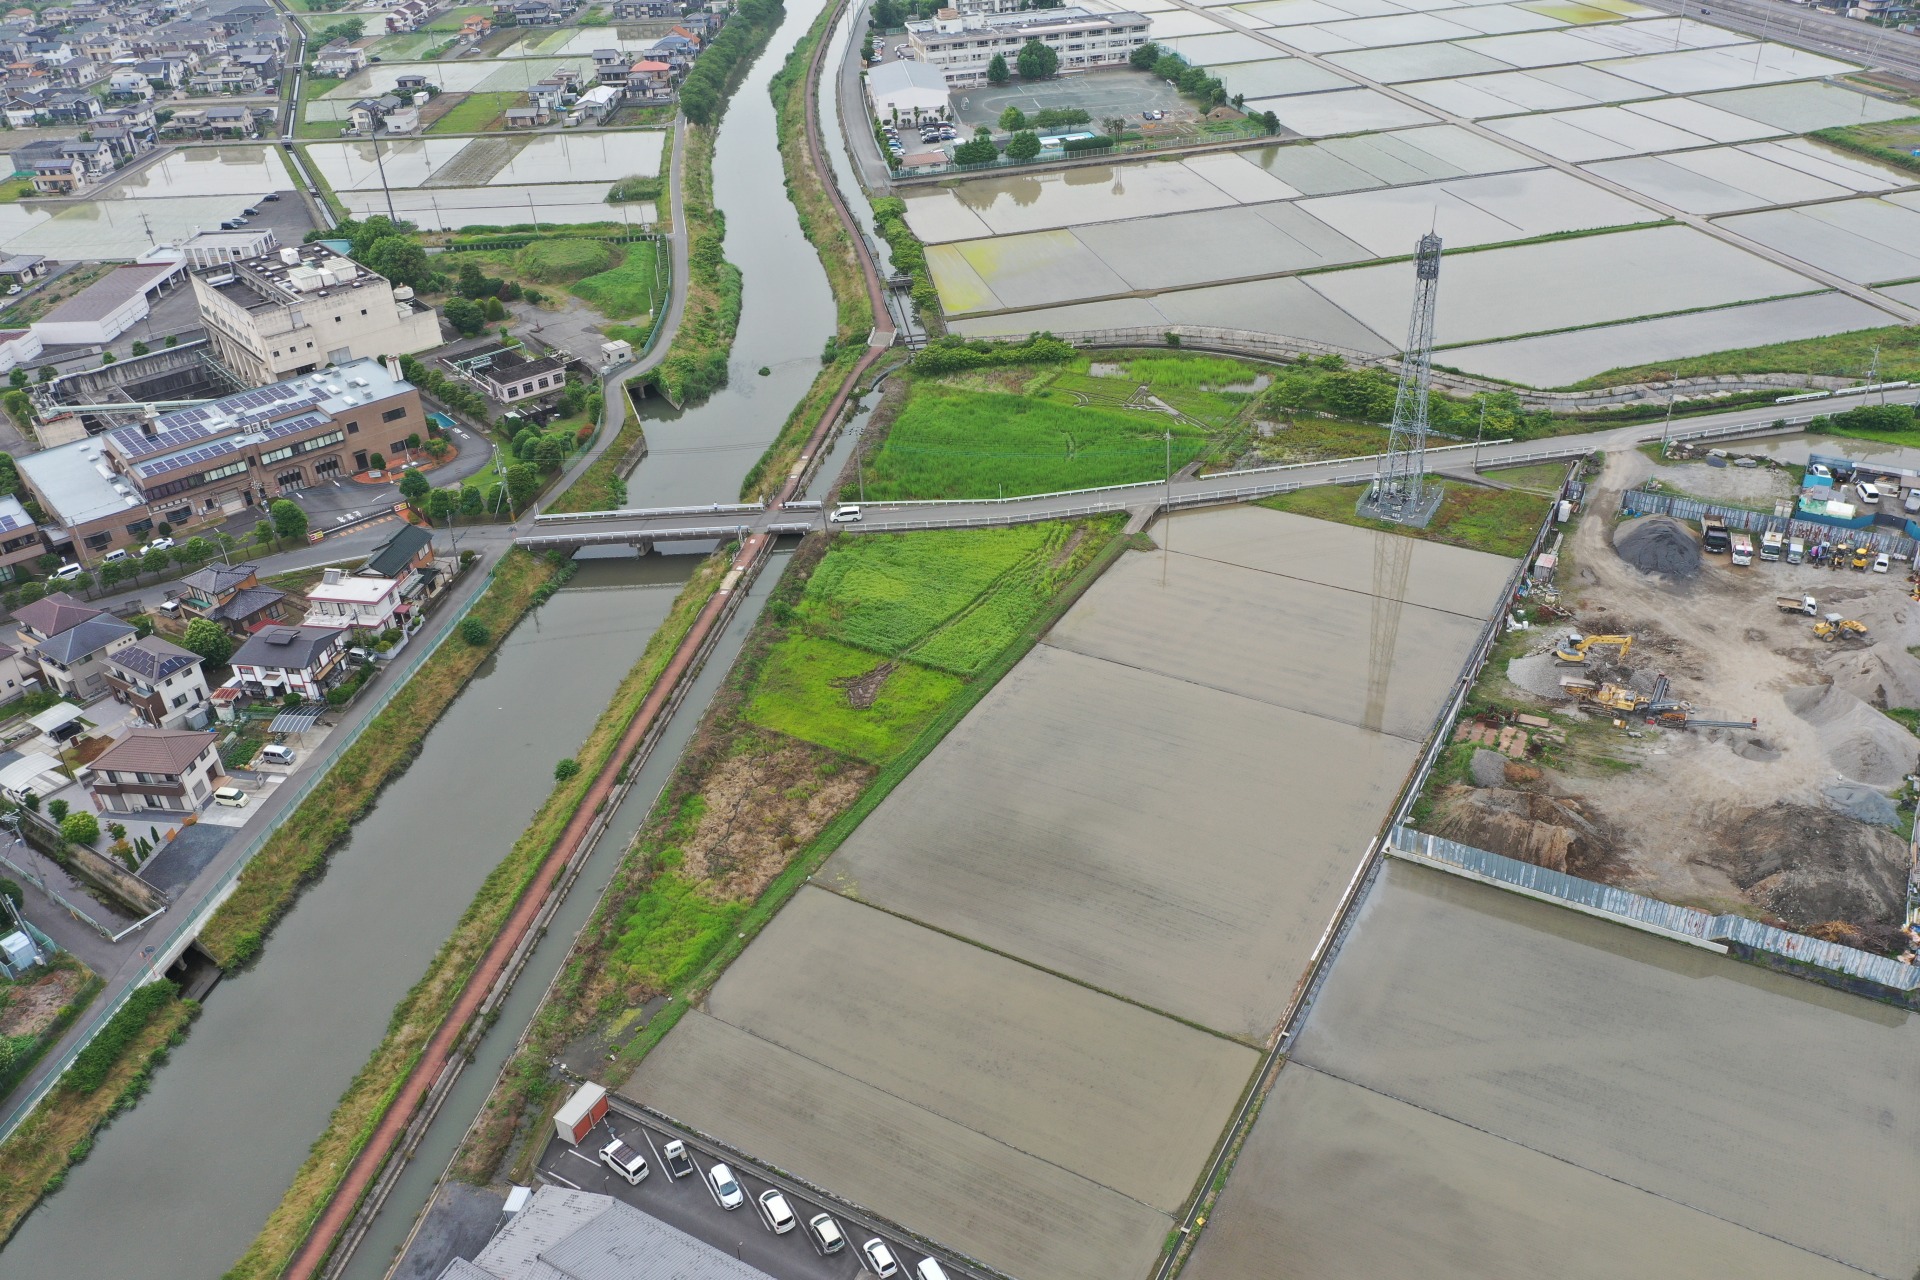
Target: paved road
column 689, row 1204
column 1808, row 28
column 638, row 527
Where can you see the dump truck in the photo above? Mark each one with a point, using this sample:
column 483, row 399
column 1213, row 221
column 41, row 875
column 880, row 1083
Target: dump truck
column 1713, row 534
column 1742, row 549
column 1797, row 604
column 1577, row 645
column 1771, row 544
column 1796, row 550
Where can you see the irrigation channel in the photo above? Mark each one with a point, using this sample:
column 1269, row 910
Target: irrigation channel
column 177, row 1188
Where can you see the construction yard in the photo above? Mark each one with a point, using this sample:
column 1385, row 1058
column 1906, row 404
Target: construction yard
column 1801, row 818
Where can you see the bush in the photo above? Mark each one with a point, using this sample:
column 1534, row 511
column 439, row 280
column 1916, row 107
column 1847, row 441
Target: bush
column 80, row 828
column 1101, row 143
column 952, row 354
column 96, row 1062
column 567, row 768
column 475, row 633
column 564, row 261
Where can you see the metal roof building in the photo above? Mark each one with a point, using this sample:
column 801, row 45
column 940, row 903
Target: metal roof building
column 578, row 1235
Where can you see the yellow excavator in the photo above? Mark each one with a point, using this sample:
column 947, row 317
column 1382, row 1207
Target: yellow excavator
column 1578, row 645
column 1834, row 627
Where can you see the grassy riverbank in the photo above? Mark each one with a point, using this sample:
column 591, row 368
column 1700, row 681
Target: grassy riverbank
column 853, row 309
column 108, row 1077
column 869, row 650
column 299, row 847
column 1502, row 521
column 423, row 1009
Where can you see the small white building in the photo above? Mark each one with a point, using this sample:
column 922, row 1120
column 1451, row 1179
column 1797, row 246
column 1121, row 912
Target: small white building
column 367, row 604
column 212, row 248
column 907, row 91
column 107, row 308
column 18, row 347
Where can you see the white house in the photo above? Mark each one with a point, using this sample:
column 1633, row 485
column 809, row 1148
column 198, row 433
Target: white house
column 154, row 769
column 907, row 91
column 282, row 660
column 368, row 604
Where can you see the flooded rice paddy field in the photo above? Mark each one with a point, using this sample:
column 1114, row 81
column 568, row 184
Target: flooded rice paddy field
column 511, row 159
column 1112, row 872
column 449, row 208
column 1491, row 1086
column 1496, row 124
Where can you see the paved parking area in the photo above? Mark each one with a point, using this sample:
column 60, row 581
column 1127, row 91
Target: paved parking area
column 1099, row 93
column 689, row 1204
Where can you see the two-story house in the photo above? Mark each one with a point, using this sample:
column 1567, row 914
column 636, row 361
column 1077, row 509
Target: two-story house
column 305, row 660
column 231, row 595
column 164, row 770
column 162, row 682
column 353, row 603
column 339, row 60
column 68, row 642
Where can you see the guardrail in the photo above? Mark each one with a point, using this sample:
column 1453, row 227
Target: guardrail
column 189, row 926
column 649, row 513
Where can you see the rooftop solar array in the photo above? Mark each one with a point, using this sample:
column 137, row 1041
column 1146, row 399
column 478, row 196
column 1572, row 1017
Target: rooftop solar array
column 233, row 443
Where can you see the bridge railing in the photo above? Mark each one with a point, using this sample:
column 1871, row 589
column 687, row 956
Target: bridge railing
column 649, row 513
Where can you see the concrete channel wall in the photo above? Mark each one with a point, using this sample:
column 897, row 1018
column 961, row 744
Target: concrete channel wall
column 1846, row 967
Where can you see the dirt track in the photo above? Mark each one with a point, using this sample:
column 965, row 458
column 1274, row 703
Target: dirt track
column 1683, row 822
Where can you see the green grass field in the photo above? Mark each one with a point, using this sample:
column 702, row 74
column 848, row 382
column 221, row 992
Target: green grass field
column 1500, row 521
column 801, row 692
column 949, row 442
column 405, row 47
column 626, row 292
column 475, row 113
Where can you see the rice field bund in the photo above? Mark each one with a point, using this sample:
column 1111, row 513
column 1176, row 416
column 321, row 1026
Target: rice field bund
column 1614, row 186
column 1017, row 1006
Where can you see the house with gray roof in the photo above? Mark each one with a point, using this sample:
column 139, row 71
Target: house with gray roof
column 162, row 682
column 75, row 661
column 562, row 1234
column 231, row 595
column 302, row 660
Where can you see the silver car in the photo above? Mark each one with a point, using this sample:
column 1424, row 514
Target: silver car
column 880, row 1258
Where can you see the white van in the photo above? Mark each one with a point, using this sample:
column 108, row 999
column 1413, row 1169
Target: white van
column 274, row 753
column 232, row 797
column 846, row 514
column 928, row 1269
column 115, row 556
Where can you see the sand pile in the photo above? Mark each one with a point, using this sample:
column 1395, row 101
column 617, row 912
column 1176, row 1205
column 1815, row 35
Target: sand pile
column 1555, row 832
column 1882, row 675
column 1861, row 744
column 1658, row 544
column 1489, row 768
column 1539, row 674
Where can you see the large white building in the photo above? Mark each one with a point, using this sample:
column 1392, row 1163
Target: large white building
column 906, row 91
column 961, row 44
column 297, row 309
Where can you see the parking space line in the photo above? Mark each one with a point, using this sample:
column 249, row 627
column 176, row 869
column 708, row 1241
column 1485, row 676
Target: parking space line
column 577, row 1156
column 658, row 1158
column 562, row 1181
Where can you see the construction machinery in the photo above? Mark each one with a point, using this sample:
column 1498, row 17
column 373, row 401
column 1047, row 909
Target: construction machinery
column 1861, row 555
column 1834, row 627
column 1577, row 647
column 1658, row 707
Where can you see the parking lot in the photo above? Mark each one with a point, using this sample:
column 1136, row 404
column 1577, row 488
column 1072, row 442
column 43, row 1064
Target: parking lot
column 689, row 1203
column 1099, row 93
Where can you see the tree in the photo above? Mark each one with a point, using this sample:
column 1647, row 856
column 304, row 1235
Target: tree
column 155, row 561
column 18, row 378
column 289, row 521
column 1113, row 126
column 465, row 316
column 46, row 373
column 1144, row 56
column 400, row 260
column 440, row 504
column 19, row 408
column 567, row 768
column 263, row 533
column 57, row 810
column 1036, row 61
column 980, row 150
column 495, row 309
column 1270, row 121
column 208, row 639
column 997, row 72
column 141, row 348
column 80, row 828
column 885, row 15
column 1013, row 119
column 475, row 633
column 413, row 486
column 473, row 284
column 413, row 440
column 349, row 30
column 1168, row 66
column 470, row 500
column 522, row 483
column 550, row 453
column 112, row 574
column 866, row 49
column 196, row 551
column 1023, row 146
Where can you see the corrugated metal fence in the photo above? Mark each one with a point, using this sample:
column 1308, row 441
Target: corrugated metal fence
column 1640, row 502
column 1747, row 937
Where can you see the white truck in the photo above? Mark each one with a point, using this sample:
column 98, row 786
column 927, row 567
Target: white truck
column 1796, row 550
column 1797, row 604
column 1772, row 543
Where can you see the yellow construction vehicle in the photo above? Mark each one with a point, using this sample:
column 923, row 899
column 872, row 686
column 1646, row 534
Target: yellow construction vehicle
column 1861, row 554
column 1834, row 627
column 1578, row 645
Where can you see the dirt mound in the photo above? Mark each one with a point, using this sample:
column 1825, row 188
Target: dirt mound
column 1809, row 866
column 1539, row 674
column 1881, row 675
column 1549, row 831
column 1658, row 544
column 1861, row 744
column 1489, row 768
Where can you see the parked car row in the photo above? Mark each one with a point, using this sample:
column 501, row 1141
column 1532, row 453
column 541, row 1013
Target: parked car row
column 775, row 1210
column 1869, row 492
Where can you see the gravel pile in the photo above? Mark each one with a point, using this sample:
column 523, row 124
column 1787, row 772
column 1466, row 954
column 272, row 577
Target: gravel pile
column 1658, row 544
column 1489, row 768
column 1862, row 803
column 1861, row 744
column 1539, row 674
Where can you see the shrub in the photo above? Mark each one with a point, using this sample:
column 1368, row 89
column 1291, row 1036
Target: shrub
column 952, row 354
column 475, row 633
column 1101, row 143
column 95, row 1063
column 567, row 768
column 564, row 261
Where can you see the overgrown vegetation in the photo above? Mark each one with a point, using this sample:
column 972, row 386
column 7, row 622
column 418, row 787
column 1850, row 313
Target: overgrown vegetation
column 299, row 847
column 565, row 260
column 631, row 287
column 910, row 256
column 1885, row 423
column 59, row 1133
column 717, row 71
column 425, row 1007
column 24, row 1037
column 1890, row 143
column 696, row 362
column 804, row 759
column 1841, row 355
column 1501, row 521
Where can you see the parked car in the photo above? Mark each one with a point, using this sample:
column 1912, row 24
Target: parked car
column 1913, row 500
column 679, row 1163
column 625, row 1161
column 251, row 212
column 880, row 1258
column 1868, row 491
column 158, row 544
column 826, row 1233
column 68, row 572
column 1881, row 563
column 232, row 797
column 114, row 556
column 726, row 1191
column 271, row 195
column 1819, row 471
column 928, row 1269
column 779, row 1217
column 170, row 607
column 274, row 753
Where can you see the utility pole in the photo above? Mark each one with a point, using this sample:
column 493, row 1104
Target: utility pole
column 1481, row 433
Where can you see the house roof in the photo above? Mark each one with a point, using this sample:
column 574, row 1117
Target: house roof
column 246, row 602
column 50, row 615
column 352, row 590
column 898, row 77
column 154, row 751
column 391, row 557
column 217, row 579
column 114, row 291
column 77, row 642
column 153, row 658
column 286, row 648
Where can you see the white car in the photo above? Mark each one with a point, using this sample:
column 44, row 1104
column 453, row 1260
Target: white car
column 780, row 1219
column 846, row 515
column 880, row 1258
column 726, row 1191
column 1869, row 492
column 826, row 1233
column 114, row 556
column 625, row 1161
column 1881, row 563
column 1819, row 471
column 158, row 544
column 68, row 572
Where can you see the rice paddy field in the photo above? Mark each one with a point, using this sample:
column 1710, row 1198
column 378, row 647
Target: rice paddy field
column 1551, row 143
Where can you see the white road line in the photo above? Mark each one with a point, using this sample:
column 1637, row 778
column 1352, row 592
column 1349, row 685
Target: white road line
column 577, row 1156
column 661, row 1160
column 557, row 1178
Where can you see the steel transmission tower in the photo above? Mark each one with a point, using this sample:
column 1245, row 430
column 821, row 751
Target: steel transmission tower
column 1399, row 490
